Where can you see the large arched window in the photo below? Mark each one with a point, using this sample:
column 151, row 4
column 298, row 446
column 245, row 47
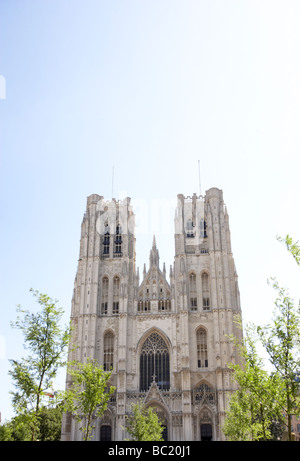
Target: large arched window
column 154, row 363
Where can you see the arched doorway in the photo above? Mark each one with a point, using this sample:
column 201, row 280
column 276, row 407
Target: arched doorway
column 105, row 433
column 204, row 397
column 163, row 417
column 106, row 427
column 206, row 432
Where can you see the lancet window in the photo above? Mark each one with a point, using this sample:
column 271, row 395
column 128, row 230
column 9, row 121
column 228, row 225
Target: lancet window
column 116, row 295
column 108, row 348
column 190, row 229
column 193, row 292
column 106, row 240
column 202, row 353
column 118, row 242
column 104, row 296
column 203, row 226
column 144, row 306
column 205, row 291
column 164, row 305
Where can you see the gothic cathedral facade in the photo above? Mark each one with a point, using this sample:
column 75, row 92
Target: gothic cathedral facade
column 166, row 340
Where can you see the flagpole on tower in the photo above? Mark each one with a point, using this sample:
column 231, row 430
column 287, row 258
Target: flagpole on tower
column 199, row 176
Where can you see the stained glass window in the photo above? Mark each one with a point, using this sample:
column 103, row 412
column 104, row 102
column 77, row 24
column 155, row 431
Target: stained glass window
column 154, row 363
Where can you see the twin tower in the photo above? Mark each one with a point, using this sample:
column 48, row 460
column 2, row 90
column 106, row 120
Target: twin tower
column 166, row 340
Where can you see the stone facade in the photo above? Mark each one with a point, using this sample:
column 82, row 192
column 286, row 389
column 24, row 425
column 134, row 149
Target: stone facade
column 166, row 340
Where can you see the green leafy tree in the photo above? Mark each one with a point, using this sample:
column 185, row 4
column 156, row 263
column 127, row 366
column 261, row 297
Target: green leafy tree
column 144, row 424
column 262, row 396
column 281, row 340
column 33, row 375
column 6, row 432
column 88, row 395
column 256, row 405
column 49, row 422
column 48, row 426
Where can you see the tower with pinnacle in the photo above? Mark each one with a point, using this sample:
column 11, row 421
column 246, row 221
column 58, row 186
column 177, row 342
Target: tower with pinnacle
column 165, row 338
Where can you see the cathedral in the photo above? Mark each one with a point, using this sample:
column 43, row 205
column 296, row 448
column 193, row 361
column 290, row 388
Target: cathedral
column 165, row 338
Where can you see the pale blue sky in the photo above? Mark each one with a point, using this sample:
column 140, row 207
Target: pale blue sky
column 149, row 88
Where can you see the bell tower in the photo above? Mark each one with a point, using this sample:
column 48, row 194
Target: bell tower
column 103, row 290
column 207, row 296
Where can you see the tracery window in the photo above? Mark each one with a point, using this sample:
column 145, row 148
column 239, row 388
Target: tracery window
column 154, row 363
column 108, row 348
column 202, row 355
column 104, row 296
column 204, row 394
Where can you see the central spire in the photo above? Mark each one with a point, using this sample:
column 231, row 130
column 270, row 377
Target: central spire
column 154, row 255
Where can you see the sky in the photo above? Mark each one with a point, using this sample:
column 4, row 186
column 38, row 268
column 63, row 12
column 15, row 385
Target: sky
column 129, row 98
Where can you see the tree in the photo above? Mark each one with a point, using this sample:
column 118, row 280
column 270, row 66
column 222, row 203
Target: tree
column 48, row 427
column 144, row 424
column 88, row 395
column 281, row 340
column 49, row 421
column 255, row 406
column 46, row 342
column 262, row 396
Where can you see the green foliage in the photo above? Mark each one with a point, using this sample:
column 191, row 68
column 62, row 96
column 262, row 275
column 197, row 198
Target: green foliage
column 281, row 340
column 254, row 407
column 89, row 394
column 292, row 247
column 34, row 374
column 6, row 432
column 48, row 426
column 144, row 424
column 49, row 422
column 262, row 399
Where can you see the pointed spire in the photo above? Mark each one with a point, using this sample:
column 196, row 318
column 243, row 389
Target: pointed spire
column 154, row 256
column 154, row 242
